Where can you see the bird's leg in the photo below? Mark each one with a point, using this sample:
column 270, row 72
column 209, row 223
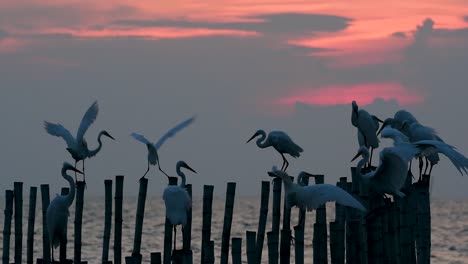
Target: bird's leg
column 301, row 220
column 420, row 168
column 430, row 169
column 175, row 232
column 159, row 167
column 427, row 165
column 285, row 163
column 84, row 176
column 370, row 159
column 76, row 180
column 145, row 172
column 52, row 247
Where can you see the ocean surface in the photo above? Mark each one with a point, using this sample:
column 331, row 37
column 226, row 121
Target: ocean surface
column 449, row 228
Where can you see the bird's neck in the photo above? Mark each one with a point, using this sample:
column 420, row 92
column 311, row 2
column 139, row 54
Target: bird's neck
column 361, row 163
column 71, row 195
column 182, row 177
column 93, row 153
column 262, row 137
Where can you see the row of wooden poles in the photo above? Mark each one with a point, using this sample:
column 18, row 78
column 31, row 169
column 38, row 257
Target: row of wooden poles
column 395, row 231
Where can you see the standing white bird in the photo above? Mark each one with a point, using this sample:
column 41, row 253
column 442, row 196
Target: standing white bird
column 57, row 212
column 390, row 176
column 153, row 158
column 280, row 141
column 429, row 148
column 367, row 126
column 78, row 147
column 398, row 119
column 177, row 200
column 312, row 196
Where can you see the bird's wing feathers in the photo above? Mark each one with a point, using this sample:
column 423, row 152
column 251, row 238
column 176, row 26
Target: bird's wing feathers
column 367, row 127
column 173, row 131
column 140, row 138
column 311, row 197
column 87, row 120
column 458, row 159
column 59, row 131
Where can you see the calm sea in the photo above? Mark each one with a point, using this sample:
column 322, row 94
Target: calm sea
column 449, row 228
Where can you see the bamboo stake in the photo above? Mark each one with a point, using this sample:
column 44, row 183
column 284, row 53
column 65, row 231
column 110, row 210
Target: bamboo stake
column 9, row 196
column 251, row 247
column 236, row 252
column 299, row 244
column 80, row 186
column 140, row 214
column 107, row 220
column 285, row 242
column 187, row 231
column 31, row 219
column 63, row 243
column 206, row 222
column 336, row 243
column 168, row 232
column 45, row 236
column 18, row 189
column 155, row 258
column 209, row 253
column 119, row 180
column 228, row 212
column 276, row 216
column 265, row 196
column 272, row 247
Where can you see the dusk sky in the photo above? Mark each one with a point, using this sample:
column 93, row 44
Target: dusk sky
column 239, row 66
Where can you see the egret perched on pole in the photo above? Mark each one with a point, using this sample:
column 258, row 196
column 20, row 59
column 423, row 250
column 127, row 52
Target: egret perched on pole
column 281, row 142
column 312, row 197
column 78, row 147
column 153, row 157
column 367, row 126
column 57, row 212
column 177, row 200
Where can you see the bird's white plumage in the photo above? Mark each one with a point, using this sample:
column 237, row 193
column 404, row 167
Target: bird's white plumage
column 140, row 138
column 88, row 118
column 367, row 126
column 173, row 131
column 60, row 131
column 178, row 202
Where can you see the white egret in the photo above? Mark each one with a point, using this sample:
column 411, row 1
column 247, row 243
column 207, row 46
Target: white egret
column 429, row 149
column 312, row 197
column 153, row 158
column 57, row 212
column 390, row 176
column 367, row 126
column 78, row 147
column 398, row 119
column 280, row 141
column 177, row 200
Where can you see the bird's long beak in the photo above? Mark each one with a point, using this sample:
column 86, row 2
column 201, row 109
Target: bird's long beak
column 357, row 155
column 111, row 137
column 382, row 127
column 76, row 170
column 251, row 138
column 378, row 119
column 189, row 168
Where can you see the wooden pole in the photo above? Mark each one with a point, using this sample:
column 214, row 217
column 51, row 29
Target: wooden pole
column 119, row 180
column 9, row 196
column 80, row 187
column 18, row 189
column 63, row 243
column 140, row 214
column 423, row 227
column 209, row 253
column 285, row 242
column 168, row 232
column 107, row 220
column 319, row 243
column 236, row 252
column 251, row 247
column 228, row 212
column 276, row 216
column 264, row 200
column 272, row 238
column 31, row 220
column 336, row 243
column 299, row 244
column 155, row 258
column 45, row 235
column 206, row 222
column 187, row 232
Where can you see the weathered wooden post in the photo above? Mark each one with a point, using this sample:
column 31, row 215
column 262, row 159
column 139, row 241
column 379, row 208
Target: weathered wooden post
column 118, row 219
column 45, row 235
column 209, row 253
column 168, row 232
column 319, row 242
column 107, row 221
column 18, row 189
column 265, row 196
column 405, row 244
column 187, row 232
column 337, row 229
column 423, row 227
column 9, row 196
column 236, row 252
column 31, row 220
column 206, row 222
column 155, row 258
column 299, row 230
column 275, row 220
column 140, row 214
column 353, row 226
column 273, row 242
column 79, row 202
column 285, row 242
column 63, row 243
column 228, row 212
column 251, row 247
column 374, row 231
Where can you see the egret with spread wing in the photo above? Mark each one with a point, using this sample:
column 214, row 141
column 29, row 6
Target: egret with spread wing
column 177, row 200
column 78, row 147
column 280, row 141
column 153, row 157
column 57, row 212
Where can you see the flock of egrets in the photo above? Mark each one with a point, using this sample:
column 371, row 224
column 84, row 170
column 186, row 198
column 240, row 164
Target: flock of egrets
column 411, row 140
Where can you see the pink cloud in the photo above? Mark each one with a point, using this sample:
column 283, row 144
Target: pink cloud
column 362, row 93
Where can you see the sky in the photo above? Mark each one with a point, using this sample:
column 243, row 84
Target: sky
column 238, row 66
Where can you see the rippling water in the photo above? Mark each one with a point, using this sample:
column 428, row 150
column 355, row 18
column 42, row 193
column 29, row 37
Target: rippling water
column 449, row 228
